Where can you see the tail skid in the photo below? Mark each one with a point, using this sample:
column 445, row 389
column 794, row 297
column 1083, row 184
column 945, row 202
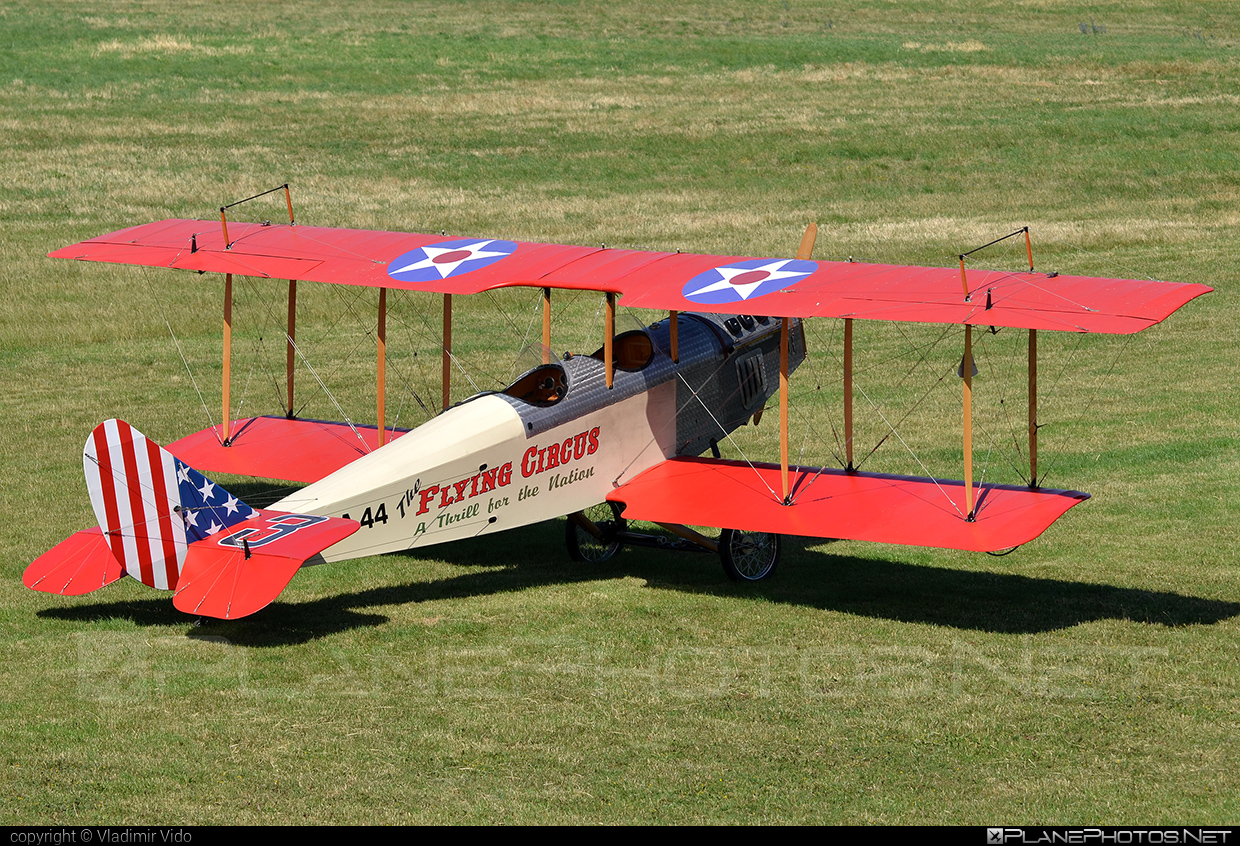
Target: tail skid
column 171, row 528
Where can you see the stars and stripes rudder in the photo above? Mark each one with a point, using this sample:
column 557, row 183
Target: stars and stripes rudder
column 149, row 504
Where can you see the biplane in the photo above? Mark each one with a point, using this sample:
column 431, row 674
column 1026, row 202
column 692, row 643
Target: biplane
column 626, row 433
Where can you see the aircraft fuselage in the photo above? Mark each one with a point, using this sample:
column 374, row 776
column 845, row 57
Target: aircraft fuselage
column 558, row 439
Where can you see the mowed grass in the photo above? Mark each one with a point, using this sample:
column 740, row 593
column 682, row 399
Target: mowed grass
column 1088, row 678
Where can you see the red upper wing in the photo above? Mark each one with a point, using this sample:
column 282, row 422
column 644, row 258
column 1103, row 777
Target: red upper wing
column 655, row 280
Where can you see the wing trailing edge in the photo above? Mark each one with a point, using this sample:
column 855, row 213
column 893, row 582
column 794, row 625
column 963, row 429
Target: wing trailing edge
column 81, row 563
column 294, row 450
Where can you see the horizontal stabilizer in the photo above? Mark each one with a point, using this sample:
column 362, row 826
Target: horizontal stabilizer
column 79, row 564
column 874, row 507
column 279, row 448
column 237, row 572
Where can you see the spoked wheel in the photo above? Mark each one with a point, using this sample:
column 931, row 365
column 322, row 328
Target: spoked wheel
column 583, row 545
column 748, row 556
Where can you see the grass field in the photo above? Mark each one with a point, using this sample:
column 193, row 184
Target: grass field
column 1088, row 678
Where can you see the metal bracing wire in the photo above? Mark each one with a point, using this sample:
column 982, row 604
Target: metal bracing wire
column 189, row 370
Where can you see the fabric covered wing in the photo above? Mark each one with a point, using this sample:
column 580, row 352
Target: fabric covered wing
column 242, row 570
column 833, row 504
column 656, row 280
column 279, row 448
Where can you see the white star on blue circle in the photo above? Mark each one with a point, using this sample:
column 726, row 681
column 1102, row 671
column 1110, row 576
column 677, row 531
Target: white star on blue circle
column 448, row 258
column 745, row 280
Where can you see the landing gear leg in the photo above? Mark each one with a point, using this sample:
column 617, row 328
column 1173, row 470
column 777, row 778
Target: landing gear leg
column 591, row 535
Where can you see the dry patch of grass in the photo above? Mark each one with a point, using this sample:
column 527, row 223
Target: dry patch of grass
column 971, row 46
column 167, row 45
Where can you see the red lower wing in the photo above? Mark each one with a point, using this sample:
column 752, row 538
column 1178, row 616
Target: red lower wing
column 834, row 504
column 279, row 448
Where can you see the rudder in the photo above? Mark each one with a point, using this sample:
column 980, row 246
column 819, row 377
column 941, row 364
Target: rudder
column 150, row 504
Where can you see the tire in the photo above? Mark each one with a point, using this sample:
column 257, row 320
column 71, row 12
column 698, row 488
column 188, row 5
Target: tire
column 583, row 546
column 748, row 556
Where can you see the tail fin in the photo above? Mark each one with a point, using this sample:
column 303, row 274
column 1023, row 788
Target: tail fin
column 150, row 505
column 172, row 528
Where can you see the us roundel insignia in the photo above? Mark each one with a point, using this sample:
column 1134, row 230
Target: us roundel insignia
column 448, row 258
column 744, row 280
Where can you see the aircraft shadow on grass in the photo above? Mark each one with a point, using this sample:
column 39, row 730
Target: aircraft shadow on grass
column 882, row 589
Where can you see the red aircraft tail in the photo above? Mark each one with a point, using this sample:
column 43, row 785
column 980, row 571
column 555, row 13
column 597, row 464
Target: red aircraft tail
column 170, row 527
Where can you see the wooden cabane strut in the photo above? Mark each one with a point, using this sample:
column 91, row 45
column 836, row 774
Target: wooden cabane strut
column 609, row 338
column 546, row 316
column 804, row 252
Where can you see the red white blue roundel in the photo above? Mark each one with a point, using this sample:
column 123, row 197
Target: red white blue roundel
column 744, row 280
column 448, row 258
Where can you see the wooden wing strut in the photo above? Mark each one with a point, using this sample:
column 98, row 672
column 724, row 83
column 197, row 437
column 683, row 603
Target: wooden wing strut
column 226, row 422
column 291, row 345
column 381, row 367
column 447, row 350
